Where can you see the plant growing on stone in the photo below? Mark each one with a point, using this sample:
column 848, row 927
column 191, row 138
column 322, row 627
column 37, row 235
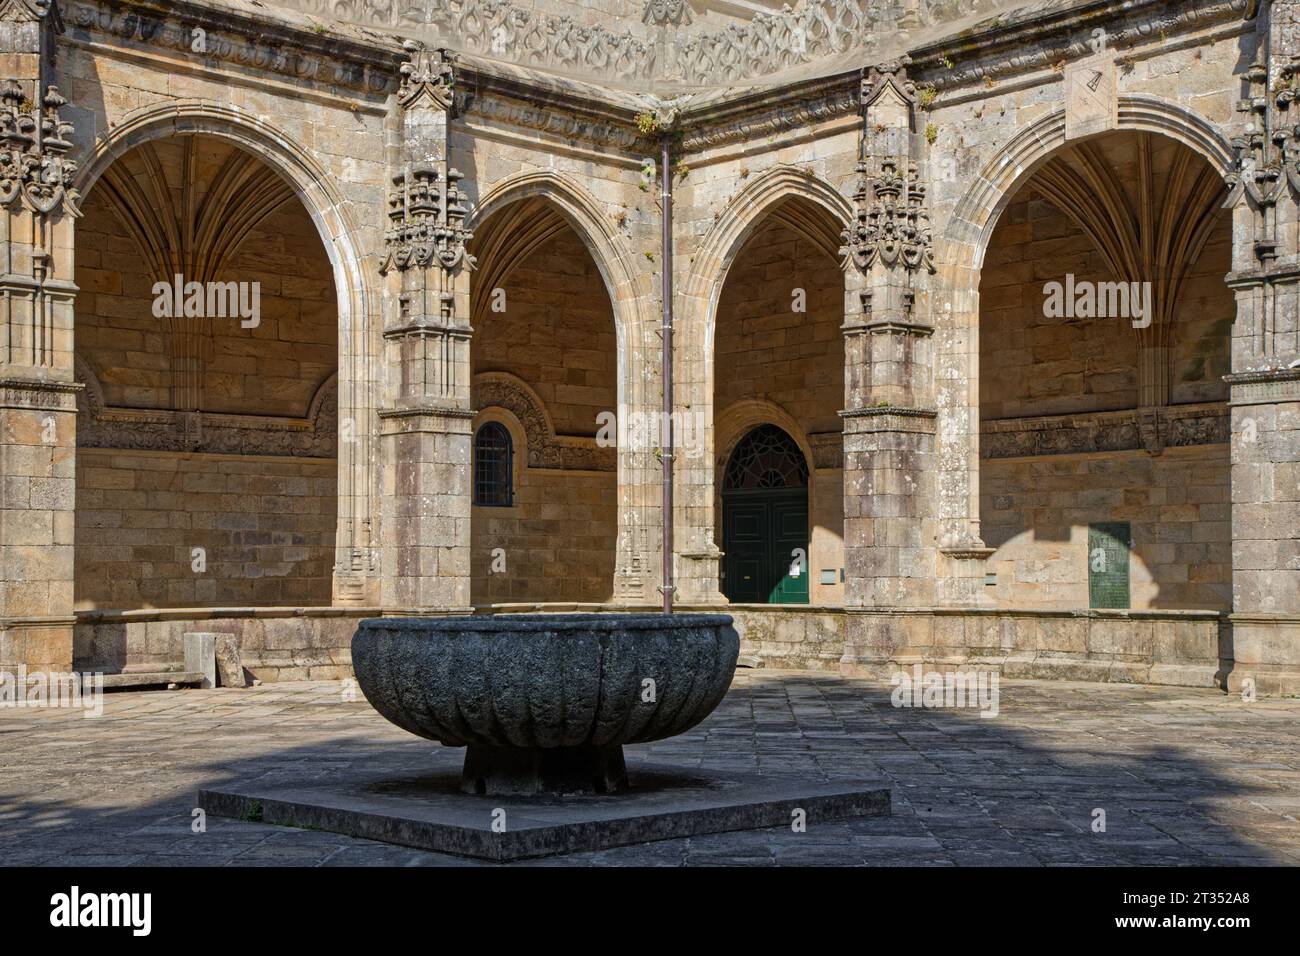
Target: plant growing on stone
column 931, row 133
column 647, row 124
column 925, row 96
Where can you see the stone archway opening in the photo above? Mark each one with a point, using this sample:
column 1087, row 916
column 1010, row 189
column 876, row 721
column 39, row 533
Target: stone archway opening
column 1104, row 337
column 778, row 360
column 544, row 359
column 207, row 342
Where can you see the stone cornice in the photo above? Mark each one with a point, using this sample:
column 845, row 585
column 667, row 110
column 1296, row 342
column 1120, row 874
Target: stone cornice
column 547, row 107
column 368, row 60
column 1263, row 375
column 427, row 410
column 1264, row 386
column 889, row 418
column 770, row 111
column 1031, row 39
column 351, row 58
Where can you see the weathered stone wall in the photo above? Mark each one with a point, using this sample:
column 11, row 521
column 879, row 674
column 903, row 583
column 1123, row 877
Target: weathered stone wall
column 313, row 643
column 274, row 368
column 266, row 525
column 1036, row 512
column 766, row 350
column 556, row 334
column 732, row 192
column 319, row 105
column 557, row 543
column 1185, row 648
column 546, row 368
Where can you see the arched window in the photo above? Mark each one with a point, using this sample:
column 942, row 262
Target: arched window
column 493, row 466
column 766, row 458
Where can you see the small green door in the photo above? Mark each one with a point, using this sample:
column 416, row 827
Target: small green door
column 766, row 543
column 765, row 521
column 1108, row 550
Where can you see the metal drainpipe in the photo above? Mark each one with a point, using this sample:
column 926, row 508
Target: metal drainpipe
column 666, row 426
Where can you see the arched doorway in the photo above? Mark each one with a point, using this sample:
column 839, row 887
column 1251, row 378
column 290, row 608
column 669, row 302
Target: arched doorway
column 765, row 520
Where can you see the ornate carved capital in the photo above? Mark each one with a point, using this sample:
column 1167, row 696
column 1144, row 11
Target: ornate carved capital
column 34, row 142
column 891, row 224
column 426, row 214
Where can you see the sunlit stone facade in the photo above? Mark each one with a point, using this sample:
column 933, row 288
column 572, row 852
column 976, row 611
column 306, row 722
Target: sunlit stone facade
column 890, row 446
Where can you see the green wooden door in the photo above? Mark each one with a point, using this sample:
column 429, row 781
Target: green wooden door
column 765, row 520
column 1108, row 550
column 789, row 554
column 765, row 537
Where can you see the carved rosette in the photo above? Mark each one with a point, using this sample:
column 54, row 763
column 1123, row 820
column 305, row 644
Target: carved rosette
column 34, row 168
column 667, row 13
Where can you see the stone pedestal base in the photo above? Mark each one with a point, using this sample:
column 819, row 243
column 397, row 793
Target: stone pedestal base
column 527, row 771
column 418, row 803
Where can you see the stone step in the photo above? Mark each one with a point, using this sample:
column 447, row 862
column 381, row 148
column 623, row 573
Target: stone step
column 150, row 679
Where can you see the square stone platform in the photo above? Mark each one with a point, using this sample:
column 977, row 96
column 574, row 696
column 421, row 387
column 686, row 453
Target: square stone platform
column 431, row 813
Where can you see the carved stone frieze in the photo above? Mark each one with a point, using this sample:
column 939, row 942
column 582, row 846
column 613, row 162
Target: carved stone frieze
column 1033, row 39
column 667, row 13
column 784, row 112
column 827, row 450
column 142, row 429
column 1149, row 429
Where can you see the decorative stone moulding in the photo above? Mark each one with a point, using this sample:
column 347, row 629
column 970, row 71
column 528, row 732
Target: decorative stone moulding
column 544, row 703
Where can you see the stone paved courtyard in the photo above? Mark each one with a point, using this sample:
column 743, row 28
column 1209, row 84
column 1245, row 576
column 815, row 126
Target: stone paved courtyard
column 1184, row 776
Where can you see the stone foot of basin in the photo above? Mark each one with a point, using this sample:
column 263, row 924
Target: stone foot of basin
column 535, row 770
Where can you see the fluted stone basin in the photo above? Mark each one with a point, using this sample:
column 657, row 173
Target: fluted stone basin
column 545, row 702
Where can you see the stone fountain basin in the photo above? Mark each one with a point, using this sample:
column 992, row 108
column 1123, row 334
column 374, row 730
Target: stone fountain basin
column 545, row 702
